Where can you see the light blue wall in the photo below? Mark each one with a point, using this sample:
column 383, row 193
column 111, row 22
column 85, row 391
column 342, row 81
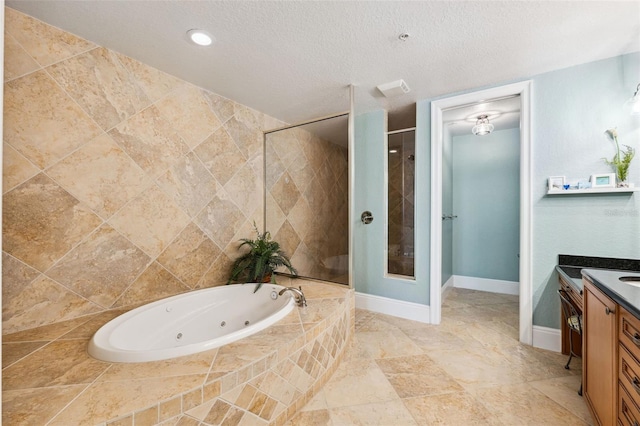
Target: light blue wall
column 571, row 110
column 447, row 205
column 486, row 197
column 369, row 240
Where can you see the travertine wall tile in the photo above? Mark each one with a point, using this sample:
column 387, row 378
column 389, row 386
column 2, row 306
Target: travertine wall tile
column 17, row 61
column 41, row 121
column 101, row 85
column 42, row 222
column 16, row 168
column 46, row 44
column 151, row 208
column 101, row 175
column 101, row 267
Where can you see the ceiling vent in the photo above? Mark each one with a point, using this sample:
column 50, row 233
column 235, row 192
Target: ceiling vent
column 395, row 88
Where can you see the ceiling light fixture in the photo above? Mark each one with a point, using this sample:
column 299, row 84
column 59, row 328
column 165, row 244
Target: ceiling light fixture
column 200, row 37
column 633, row 103
column 482, row 127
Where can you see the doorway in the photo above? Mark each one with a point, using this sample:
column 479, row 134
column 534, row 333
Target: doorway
column 523, row 91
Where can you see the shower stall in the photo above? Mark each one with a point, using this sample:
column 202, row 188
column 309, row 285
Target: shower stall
column 307, row 196
column 401, row 202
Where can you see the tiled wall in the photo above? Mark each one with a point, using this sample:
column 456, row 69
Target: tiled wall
column 307, row 201
column 122, row 184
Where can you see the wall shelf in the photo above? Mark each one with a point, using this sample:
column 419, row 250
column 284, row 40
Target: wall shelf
column 592, row 191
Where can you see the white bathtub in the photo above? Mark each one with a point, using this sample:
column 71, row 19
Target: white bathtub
column 190, row 323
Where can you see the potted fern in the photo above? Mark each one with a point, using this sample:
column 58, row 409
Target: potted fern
column 260, row 261
column 620, row 163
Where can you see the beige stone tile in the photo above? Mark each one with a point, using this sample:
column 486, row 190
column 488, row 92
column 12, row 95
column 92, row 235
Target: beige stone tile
column 287, row 237
column 36, row 406
column 318, row 402
column 154, row 82
column 417, row 376
column 285, row 145
column 45, row 43
column 358, row 382
column 150, row 141
column 189, row 184
column 60, row 363
column 245, row 190
column 224, row 108
column 101, row 267
column 319, row 417
column 449, row 409
column 12, row 352
column 41, row 121
column 17, row 61
column 153, row 284
column 201, row 411
column 183, row 366
column 285, row 192
column 522, row 404
column 16, row 168
column 43, row 302
column 380, row 413
column 218, row 273
column 150, row 221
column 101, row 85
column 42, row 222
column 47, row 332
column 385, row 344
column 301, row 172
column 274, row 215
column 276, row 168
column 190, row 255
column 185, row 421
column 246, row 131
column 101, row 175
column 108, row 400
column 88, row 329
column 319, row 309
column 220, row 218
column 189, row 113
column 220, row 155
column 538, row 364
column 564, row 391
column 15, row 277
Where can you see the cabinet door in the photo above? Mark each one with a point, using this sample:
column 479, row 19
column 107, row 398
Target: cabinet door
column 599, row 354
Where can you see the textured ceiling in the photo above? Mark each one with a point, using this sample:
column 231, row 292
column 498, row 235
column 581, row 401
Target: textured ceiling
column 502, row 113
column 295, row 60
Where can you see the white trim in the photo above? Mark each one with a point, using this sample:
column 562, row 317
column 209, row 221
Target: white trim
column 523, row 89
column 486, row 284
column 547, row 338
column 448, row 285
column 393, row 307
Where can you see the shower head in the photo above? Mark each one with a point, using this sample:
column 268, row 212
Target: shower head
column 411, row 157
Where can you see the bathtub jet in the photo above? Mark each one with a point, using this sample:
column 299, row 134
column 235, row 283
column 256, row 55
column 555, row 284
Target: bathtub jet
column 192, row 322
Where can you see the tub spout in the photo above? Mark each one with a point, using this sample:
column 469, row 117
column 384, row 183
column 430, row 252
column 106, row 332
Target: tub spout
column 300, row 299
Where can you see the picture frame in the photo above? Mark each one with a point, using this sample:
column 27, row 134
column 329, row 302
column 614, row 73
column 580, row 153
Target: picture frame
column 603, row 180
column 556, row 183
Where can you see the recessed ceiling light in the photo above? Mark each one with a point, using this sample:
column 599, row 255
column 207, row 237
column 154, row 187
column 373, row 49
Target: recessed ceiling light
column 200, row 37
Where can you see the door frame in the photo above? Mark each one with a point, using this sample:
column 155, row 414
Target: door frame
column 523, row 89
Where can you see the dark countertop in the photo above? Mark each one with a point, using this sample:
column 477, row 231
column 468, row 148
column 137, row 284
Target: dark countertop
column 570, row 267
column 624, row 294
column 572, row 275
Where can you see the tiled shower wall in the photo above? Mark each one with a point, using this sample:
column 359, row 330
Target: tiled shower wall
column 122, row 184
column 307, row 201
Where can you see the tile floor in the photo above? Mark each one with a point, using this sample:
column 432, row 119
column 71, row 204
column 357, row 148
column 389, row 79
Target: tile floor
column 469, row 370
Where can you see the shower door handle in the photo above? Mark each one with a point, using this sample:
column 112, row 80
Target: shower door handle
column 366, row 217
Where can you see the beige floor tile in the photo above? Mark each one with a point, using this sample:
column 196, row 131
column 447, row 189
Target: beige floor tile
column 564, row 390
column 391, row 413
column 449, row 409
column 385, row 344
column 522, row 404
column 358, row 382
column 311, row 418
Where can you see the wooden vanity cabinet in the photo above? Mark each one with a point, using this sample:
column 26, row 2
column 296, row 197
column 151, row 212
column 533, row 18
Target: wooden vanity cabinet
column 628, row 368
column 599, row 355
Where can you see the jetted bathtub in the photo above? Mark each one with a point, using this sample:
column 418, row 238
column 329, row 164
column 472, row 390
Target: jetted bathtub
column 190, row 323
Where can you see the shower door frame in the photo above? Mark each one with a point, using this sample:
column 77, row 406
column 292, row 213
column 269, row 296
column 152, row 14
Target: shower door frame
column 522, row 89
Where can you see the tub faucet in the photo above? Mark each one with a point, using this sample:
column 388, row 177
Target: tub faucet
column 300, row 299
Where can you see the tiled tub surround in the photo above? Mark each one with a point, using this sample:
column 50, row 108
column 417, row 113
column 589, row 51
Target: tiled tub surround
column 48, row 378
column 122, row 184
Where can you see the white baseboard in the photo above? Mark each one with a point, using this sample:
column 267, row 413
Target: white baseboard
column 393, row 307
column 486, row 284
column 446, row 287
column 547, row 338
